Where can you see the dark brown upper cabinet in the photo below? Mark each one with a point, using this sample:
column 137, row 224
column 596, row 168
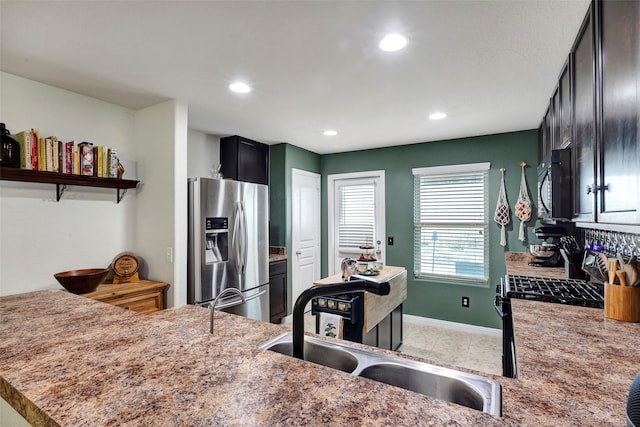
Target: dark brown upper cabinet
column 541, row 142
column 617, row 188
column 563, row 114
column 545, row 140
column 595, row 109
column 583, row 74
column 245, row 160
column 556, row 140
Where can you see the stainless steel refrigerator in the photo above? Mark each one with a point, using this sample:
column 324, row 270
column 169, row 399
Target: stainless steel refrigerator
column 228, row 245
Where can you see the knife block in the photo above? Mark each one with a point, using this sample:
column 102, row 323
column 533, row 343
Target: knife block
column 622, row 302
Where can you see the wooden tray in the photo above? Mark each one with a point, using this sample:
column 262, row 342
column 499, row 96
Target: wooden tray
column 622, row 302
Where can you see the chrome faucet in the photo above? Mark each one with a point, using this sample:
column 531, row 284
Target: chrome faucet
column 221, row 294
column 378, row 288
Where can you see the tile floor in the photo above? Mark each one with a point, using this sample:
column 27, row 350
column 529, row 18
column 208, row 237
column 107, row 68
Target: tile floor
column 472, row 350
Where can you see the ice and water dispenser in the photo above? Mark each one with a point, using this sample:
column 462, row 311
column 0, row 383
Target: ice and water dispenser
column 216, row 240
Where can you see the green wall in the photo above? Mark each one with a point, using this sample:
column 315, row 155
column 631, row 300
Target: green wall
column 277, row 195
column 438, row 299
column 427, row 298
column 282, row 159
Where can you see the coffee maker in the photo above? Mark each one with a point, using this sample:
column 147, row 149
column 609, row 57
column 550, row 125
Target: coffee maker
column 547, row 254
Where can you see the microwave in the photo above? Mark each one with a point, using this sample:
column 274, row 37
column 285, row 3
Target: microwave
column 554, row 187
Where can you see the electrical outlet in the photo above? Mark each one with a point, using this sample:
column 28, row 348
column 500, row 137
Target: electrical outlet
column 168, row 255
column 390, row 240
column 465, row 302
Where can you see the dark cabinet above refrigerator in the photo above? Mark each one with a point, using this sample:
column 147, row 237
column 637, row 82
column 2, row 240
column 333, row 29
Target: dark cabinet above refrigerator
column 245, row 160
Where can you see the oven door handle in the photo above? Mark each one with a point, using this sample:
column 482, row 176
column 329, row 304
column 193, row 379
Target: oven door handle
column 497, row 304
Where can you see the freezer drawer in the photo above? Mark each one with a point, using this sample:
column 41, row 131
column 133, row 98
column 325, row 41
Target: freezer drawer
column 257, row 305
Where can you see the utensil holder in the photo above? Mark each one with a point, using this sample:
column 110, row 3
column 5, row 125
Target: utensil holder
column 622, row 302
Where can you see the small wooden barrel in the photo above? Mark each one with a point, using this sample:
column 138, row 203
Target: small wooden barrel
column 622, row 302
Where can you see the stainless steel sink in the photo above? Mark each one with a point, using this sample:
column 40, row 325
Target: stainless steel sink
column 324, row 354
column 427, row 382
column 473, row 391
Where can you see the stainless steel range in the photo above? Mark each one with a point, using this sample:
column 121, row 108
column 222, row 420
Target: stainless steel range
column 558, row 291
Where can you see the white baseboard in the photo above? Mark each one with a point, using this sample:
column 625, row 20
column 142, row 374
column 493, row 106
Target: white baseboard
column 427, row 321
column 452, row 325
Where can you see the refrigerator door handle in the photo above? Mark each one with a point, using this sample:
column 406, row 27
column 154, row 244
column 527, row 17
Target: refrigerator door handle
column 245, row 237
column 237, row 239
column 229, row 304
column 259, row 294
column 239, row 301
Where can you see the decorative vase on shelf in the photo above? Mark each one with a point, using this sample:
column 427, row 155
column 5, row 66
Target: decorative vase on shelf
column 9, row 150
column 120, row 170
column 215, row 172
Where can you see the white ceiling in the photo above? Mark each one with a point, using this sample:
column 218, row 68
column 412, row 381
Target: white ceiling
column 313, row 65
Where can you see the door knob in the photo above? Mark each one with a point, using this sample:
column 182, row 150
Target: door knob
column 298, row 253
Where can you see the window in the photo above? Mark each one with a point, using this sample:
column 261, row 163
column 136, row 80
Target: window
column 355, row 216
column 451, row 222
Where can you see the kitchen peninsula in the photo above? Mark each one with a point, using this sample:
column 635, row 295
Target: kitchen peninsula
column 66, row 360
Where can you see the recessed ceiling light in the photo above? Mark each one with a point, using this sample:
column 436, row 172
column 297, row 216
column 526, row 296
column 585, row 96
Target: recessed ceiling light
column 330, row 133
column 437, row 116
column 240, row 87
column 393, row 42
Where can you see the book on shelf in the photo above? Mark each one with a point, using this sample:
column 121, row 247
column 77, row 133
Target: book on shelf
column 85, row 153
column 102, row 160
column 64, row 155
column 105, row 162
column 75, row 160
column 113, row 165
column 48, row 154
column 68, row 153
column 42, row 164
column 24, row 141
column 53, row 155
column 97, row 160
column 34, row 148
column 61, row 158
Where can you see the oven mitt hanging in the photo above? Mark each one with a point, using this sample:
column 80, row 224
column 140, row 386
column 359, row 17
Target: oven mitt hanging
column 523, row 205
column 502, row 216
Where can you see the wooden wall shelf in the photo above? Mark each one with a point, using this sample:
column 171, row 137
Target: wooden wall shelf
column 61, row 180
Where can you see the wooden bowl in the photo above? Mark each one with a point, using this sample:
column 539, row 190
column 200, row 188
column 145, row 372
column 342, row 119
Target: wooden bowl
column 82, row 281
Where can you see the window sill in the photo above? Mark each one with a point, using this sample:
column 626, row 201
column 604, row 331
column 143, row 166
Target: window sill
column 453, row 281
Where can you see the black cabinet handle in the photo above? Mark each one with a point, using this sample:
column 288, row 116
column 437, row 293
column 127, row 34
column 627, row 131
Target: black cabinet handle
column 496, row 305
column 595, row 188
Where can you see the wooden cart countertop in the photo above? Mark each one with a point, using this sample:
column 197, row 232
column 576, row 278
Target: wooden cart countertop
column 377, row 307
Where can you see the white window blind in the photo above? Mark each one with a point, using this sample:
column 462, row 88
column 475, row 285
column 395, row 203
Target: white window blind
column 356, row 218
column 451, row 222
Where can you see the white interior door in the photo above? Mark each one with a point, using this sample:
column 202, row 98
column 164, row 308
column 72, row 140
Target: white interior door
column 305, row 231
column 356, row 216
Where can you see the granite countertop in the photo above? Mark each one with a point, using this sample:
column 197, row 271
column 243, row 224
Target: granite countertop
column 277, row 257
column 70, row 361
column 67, row 360
column 277, row 253
column 518, row 264
column 575, row 365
